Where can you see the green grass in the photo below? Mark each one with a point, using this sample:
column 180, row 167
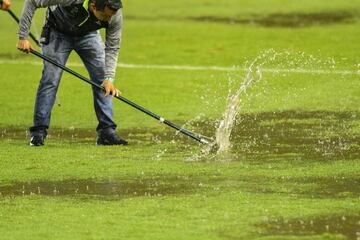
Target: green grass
column 295, row 156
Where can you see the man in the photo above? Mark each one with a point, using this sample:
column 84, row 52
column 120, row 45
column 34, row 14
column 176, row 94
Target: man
column 5, row 4
column 73, row 25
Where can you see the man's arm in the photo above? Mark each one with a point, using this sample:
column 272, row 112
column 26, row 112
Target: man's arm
column 5, row 4
column 29, row 10
column 112, row 45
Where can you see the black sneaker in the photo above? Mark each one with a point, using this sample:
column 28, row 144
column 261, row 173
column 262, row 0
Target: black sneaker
column 108, row 136
column 37, row 137
column 37, row 141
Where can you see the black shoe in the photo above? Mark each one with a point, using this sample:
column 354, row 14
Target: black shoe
column 37, row 141
column 108, row 136
column 37, row 136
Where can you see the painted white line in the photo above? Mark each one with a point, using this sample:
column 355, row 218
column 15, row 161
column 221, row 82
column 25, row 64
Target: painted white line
column 180, row 67
column 201, row 68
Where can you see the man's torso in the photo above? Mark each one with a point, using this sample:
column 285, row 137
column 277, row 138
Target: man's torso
column 73, row 20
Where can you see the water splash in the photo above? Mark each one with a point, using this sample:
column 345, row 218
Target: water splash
column 234, row 103
column 281, row 63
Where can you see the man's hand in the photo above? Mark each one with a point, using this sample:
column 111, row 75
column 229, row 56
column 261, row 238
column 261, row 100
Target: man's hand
column 110, row 88
column 5, row 4
column 24, row 45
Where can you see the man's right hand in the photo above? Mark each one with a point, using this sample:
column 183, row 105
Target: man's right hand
column 24, row 45
column 5, row 4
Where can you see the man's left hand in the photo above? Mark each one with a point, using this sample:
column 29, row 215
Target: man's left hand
column 110, row 89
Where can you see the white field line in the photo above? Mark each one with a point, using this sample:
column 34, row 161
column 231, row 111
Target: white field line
column 200, row 68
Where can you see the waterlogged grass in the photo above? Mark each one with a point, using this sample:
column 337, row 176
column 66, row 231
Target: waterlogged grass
column 155, row 217
column 156, row 188
column 293, row 170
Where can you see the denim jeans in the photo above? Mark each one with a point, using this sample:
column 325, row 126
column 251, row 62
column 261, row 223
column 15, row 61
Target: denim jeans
column 91, row 50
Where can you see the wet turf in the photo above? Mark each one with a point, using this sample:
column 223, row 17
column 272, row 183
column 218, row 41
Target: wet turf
column 346, row 225
column 285, row 20
column 97, row 189
column 293, row 170
column 288, row 20
column 318, row 135
column 309, row 187
column 295, row 135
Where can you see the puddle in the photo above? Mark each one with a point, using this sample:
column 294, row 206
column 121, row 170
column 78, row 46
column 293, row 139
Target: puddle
column 295, row 135
column 256, row 138
column 288, row 20
column 310, row 187
column 108, row 190
column 346, row 225
column 334, row 187
column 291, row 20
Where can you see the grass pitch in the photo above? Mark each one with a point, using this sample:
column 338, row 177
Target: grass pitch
column 293, row 171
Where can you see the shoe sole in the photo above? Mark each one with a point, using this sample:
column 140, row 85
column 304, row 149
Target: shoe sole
column 35, row 145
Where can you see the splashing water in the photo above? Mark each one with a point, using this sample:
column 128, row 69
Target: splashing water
column 275, row 62
column 233, row 107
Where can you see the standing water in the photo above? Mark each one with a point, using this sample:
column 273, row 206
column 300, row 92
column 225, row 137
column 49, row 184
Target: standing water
column 282, row 62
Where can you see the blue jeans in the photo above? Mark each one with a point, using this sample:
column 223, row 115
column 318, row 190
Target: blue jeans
column 91, row 50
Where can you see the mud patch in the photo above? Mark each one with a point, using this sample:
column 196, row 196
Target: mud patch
column 102, row 189
column 346, row 225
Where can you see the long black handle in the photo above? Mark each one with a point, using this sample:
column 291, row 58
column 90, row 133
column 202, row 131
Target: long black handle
column 17, row 20
column 162, row 120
